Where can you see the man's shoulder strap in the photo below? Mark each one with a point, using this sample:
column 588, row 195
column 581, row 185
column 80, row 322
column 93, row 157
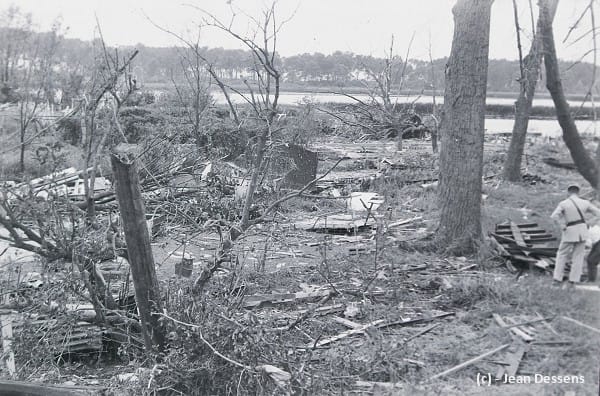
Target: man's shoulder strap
column 577, row 207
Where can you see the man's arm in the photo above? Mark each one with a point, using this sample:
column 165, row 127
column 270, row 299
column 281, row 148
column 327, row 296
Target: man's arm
column 558, row 216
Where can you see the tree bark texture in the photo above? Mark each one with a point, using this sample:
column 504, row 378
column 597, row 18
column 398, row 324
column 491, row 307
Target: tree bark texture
column 531, row 72
column 462, row 133
column 141, row 261
column 581, row 157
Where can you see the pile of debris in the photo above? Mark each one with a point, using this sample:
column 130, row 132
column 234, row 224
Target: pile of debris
column 525, row 245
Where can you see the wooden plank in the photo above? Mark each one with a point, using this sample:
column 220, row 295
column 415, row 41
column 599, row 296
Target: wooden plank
column 528, row 322
column 415, row 321
column 347, row 333
column 525, row 232
column 526, row 337
column 514, row 324
column 514, row 360
column 31, row 389
column 524, row 225
column 595, row 330
column 469, row 362
column 281, row 298
column 517, row 236
column 7, row 335
column 345, row 322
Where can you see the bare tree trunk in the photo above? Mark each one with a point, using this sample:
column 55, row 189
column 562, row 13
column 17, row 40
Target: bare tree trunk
column 531, row 72
column 141, row 261
column 584, row 162
column 462, row 135
column 249, row 199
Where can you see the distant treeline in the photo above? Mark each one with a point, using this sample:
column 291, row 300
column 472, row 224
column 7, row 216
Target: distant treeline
column 348, row 69
column 72, row 59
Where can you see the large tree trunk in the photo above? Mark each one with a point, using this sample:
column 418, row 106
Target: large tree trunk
column 462, row 134
column 581, row 157
column 531, row 71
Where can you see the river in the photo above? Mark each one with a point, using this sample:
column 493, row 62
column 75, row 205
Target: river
column 545, row 127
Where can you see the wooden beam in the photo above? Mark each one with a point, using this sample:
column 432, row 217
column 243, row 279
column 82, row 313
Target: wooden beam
column 7, row 335
column 137, row 237
column 517, row 236
column 585, row 326
column 31, row 389
column 470, row 362
column 514, row 360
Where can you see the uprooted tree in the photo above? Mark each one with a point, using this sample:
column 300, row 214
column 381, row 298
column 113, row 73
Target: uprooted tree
column 381, row 114
column 462, row 131
column 584, row 161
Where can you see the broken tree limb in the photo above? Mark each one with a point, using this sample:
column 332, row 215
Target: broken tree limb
column 595, row 330
column 469, row 362
column 141, row 260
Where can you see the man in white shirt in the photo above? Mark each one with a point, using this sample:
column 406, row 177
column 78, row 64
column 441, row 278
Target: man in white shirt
column 570, row 214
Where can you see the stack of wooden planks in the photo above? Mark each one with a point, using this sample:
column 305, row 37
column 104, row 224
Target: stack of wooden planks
column 62, row 338
column 525, row 244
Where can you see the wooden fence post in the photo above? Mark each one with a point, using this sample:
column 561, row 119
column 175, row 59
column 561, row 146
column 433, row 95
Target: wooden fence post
column 7, row 335
column 141, row 261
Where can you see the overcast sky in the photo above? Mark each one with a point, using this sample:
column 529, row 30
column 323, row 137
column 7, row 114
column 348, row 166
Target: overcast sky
column 360, row 26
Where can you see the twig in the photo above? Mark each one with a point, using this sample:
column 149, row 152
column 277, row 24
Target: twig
column 193, row 326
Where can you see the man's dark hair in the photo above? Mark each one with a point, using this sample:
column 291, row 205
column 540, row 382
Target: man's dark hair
column 573, row 189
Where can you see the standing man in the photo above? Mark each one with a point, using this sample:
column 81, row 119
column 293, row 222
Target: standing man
column 570, row 214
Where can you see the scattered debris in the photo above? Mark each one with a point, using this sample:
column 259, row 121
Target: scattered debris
column 378, row 324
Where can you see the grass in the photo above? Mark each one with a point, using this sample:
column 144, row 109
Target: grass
column 380, row 355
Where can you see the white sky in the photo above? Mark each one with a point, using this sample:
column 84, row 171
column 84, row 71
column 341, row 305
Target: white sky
column 360, row 26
